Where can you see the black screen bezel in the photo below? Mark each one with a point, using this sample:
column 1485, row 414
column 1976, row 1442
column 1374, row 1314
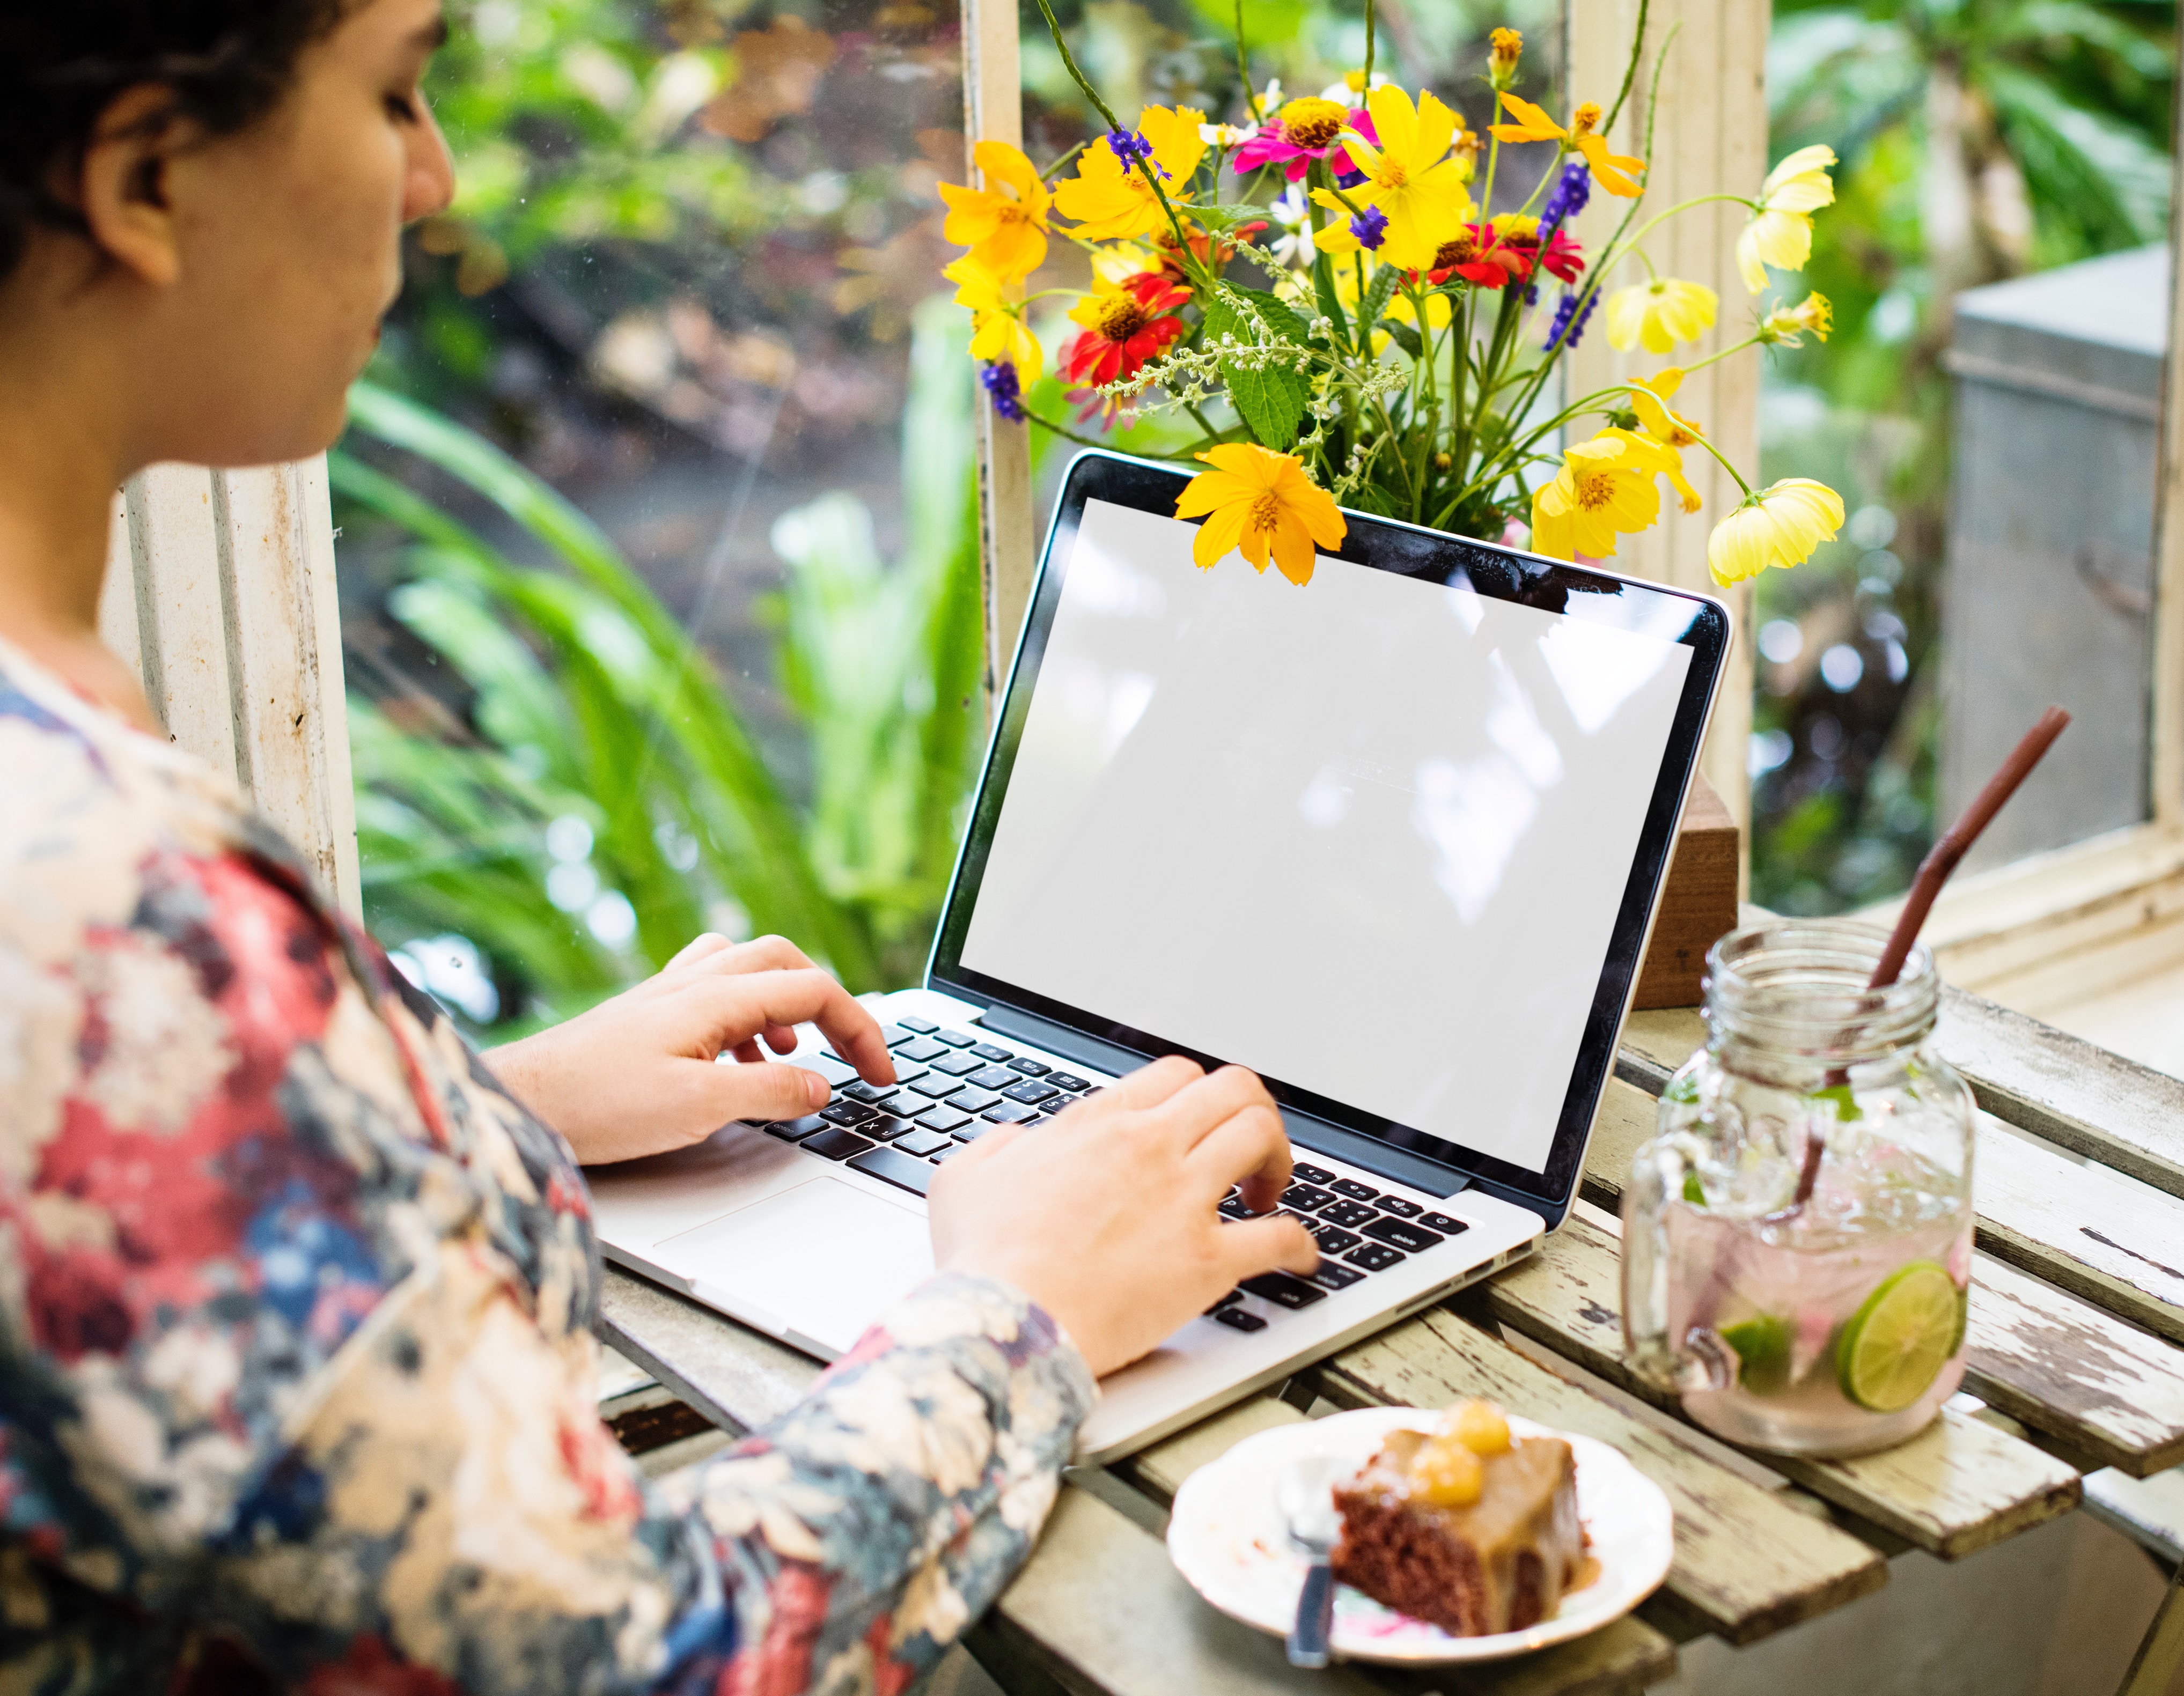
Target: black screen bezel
column 1380, row 544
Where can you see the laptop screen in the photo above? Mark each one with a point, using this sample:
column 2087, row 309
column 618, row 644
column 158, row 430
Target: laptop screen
column 1370, row 836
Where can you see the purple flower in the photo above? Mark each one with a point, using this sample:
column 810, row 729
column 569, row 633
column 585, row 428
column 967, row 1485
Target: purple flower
column 1130, row 147
column 1370, row 227
column 1001, row 380
column 1567, row 198
column 1349, row 179
column 1568, row 321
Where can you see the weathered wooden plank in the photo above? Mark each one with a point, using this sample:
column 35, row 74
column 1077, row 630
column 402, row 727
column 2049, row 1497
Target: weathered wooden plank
column 737, row 1378
column 1747, row 1562
column 1160, row 1470
column 2071, row 1092
column 2091, row 1229
column 1958, row 1487
column 2060, row 1365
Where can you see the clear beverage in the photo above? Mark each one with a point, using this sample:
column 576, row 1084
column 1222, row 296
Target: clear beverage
column 1770, row 1306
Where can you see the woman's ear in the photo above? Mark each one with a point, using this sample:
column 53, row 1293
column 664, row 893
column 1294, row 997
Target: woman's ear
column 123, row 191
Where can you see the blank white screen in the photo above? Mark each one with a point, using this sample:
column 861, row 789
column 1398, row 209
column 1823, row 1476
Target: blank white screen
column 1369, row 836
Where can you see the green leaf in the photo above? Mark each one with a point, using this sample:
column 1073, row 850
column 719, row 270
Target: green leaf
column 1406, row 336
column 1222, row 219
column 1694, row 1191
column 1377, row 293
column 1269, row 398
column 1839, row 1096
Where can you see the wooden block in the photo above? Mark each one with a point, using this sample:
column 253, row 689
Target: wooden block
column 737, row 1378
column 2056, row 1361
column 1698, row 904
column 1747, row 1563
column 1958, row 1487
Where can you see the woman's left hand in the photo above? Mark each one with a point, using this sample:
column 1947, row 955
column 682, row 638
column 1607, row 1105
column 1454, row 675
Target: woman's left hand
column 638, row 1075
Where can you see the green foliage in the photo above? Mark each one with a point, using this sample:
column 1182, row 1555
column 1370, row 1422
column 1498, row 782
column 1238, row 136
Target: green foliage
column 592, row 704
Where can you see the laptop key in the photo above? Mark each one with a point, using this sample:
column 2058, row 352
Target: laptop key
column 1068, row 1080
column 947, row 1154
column 1306, row 1173
column 955, row 1065
column 954, row 1039
column 973, row 1132
column 889, row 1165
column 903, row 1104
column 1030, row 1068
column 1330, row 1241
column 869, row 1093
column 911, row 1022
column 989, row 1051
column 1442, row 1223
column 1234, row 1208
column 1374, row 1258
column 1398, row 1208
column 836, row 1072
column 972, row 1100
column 935, row 1085
column 1008, row 1112
column 1229, row 1300
column 1237, row 1320
column 1334, row 1276
column 943, row 1119
column 1348, row 1214
column 796, row 1130
column 1401, row 1233
column 1305, row 1199
column 922, row 1050
column 1353, row 1189
column 994, row 1077
column 922, row 1142
column 836, row 1144
column 1283, row 1291
column 892, row 1034
column 885, row 1128
column 1031, row 1094
column 848, row 1113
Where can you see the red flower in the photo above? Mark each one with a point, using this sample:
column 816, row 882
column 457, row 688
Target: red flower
column 1213, row 252
column 1125, row 324
column 1563, row 258
column 1480, row 258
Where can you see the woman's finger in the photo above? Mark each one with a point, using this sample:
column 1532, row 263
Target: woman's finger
column 697, row 949
column 748, row 1054
column 1249, row 1149
column 1193, row 1112
column 739, row 1006
column 1250, row 1247
column 1150, row 1085
column 781, row 1039
column 767, row 1090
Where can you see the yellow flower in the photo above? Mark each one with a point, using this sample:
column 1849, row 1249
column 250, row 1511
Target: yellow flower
column 1533, row 125
column 1780, row 233
column 1507, row 46
column 1605, row 486
column 998, row 331
column 1781, row 525
column 1260, row 503
column 1409, row 179
column 1659, row 314
column 1006, row 233
column 1648, row 398
column 1109, row 200
column 1787, row 325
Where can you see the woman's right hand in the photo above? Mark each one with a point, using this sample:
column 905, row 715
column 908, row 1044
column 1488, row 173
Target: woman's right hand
column 1105, row 1217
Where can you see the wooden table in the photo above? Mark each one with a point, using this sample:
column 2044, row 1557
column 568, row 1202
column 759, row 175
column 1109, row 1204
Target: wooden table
column 2075, row 1398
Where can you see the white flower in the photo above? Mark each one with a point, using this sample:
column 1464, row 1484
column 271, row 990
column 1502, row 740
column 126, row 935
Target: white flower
column 1268, row 100
column 1352, row 90
column 1293, row 218
column 1227, row 136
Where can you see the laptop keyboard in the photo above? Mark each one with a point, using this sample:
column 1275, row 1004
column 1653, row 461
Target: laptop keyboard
column 952, row 1087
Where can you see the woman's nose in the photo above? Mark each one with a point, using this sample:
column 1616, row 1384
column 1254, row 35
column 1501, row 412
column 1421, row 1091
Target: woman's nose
column 432, row 182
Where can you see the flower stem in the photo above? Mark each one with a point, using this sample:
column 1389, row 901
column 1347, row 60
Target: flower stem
column 1244, row 70
column 1368, row 47
column 1068, row 434
column 1630, row 71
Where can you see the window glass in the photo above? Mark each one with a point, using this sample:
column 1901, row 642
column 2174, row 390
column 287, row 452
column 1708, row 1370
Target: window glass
column 1988, row 403
column 659, row 569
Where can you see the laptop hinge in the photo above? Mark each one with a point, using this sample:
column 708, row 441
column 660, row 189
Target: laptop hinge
column 1395, row 1165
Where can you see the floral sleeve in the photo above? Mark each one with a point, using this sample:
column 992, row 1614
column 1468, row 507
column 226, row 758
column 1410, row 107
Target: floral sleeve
column 297, row 1375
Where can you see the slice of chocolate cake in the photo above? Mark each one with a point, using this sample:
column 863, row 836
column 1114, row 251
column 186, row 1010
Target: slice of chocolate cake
column 1473, row 1543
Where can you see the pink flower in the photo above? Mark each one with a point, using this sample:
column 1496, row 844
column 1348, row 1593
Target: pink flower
column 1304, row 130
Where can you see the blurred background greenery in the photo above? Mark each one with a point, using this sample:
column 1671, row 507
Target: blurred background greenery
column 659, row 543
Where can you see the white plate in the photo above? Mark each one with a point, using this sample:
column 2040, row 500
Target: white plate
column 1226, row 1537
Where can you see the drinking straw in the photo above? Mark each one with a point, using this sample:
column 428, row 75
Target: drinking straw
column 1941, row 861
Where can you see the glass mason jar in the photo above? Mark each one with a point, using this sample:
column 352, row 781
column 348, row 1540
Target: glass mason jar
column 1798, row 1234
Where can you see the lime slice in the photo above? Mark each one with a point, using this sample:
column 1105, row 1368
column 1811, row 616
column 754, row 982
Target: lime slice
column 1897, row 1342
column 1762, row 1353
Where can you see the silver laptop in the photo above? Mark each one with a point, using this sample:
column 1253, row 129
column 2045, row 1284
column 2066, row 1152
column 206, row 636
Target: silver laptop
column 1392, row 839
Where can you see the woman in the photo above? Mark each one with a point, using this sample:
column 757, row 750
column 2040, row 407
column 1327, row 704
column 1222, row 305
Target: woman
column 296, row 1292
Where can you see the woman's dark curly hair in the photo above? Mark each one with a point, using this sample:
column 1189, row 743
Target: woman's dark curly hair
column 63, row 62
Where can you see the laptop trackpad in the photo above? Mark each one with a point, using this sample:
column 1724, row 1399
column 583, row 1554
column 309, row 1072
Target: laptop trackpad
column 824, row 1259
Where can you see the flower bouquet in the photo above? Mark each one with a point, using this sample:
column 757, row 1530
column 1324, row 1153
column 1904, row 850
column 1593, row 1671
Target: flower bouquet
column 1330, row 267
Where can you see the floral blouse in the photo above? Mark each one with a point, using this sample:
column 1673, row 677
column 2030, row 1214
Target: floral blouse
column 297, row 1369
